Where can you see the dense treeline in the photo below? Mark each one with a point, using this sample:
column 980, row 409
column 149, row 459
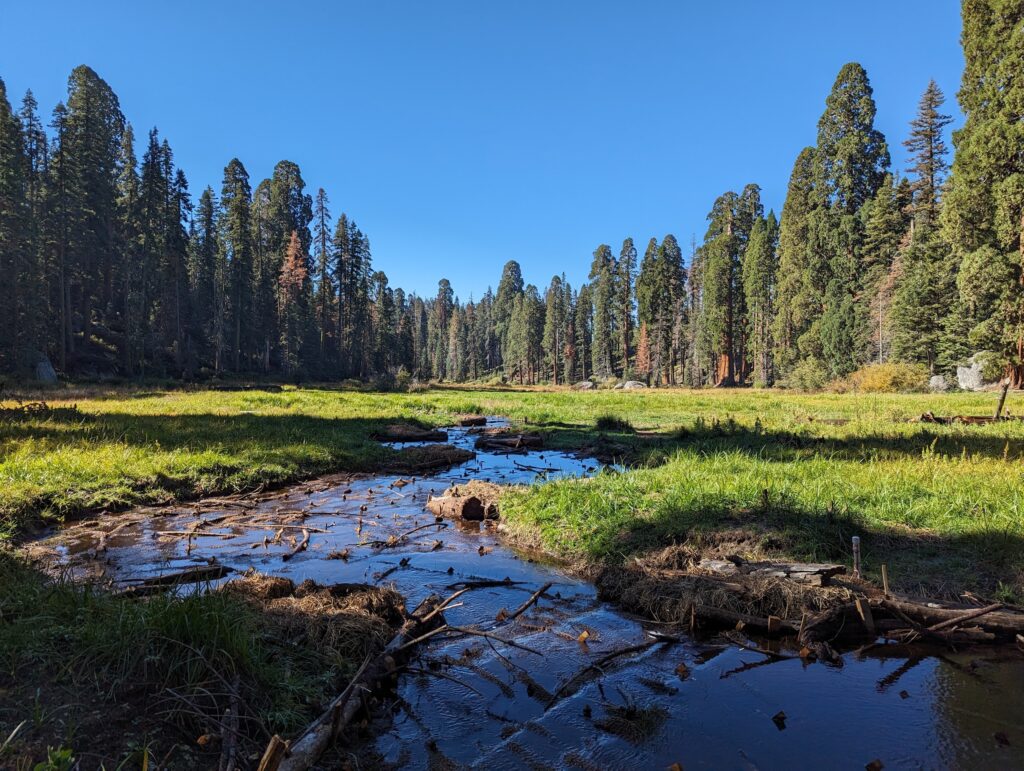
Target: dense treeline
column 108, row 266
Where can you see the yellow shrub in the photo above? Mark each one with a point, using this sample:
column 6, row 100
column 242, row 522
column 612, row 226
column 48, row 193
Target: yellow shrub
column 889, row 378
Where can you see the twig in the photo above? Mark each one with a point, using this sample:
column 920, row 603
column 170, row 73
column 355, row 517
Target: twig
column 533, row 598
column 418, row 671
column 478, row 633
column 597, row 665
column 300, row 547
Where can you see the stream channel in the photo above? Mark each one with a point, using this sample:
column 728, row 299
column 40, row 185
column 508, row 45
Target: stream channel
column 703, row 703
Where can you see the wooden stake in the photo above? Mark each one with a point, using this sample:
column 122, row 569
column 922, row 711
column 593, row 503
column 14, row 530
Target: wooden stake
column 856, row 556
column 885, row 579
column 864, row 610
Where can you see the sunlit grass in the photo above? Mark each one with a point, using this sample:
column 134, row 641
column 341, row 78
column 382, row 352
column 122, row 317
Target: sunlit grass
column 933, row 501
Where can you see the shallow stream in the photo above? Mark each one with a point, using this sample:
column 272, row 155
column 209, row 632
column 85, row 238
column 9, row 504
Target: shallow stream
column 701, row 704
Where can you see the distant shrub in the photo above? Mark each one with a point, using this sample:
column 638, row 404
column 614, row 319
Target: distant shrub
column 889, row 379
column 808, row 375
column 991, row 366
column 416, row 387
column 612, row 423
column 403, row 379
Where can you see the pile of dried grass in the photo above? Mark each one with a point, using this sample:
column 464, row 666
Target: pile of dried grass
column 670, row 594
column 351, row 620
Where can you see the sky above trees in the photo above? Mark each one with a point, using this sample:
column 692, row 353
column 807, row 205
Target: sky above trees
column 464, row 134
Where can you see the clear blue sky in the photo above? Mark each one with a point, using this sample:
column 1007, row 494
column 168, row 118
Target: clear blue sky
column 462, row 134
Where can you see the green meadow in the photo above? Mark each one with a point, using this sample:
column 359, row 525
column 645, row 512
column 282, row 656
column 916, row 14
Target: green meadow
column 940, row 504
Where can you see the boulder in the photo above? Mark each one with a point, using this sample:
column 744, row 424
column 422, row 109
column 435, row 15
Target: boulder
column 584, row 385
column 632, row 385
column 937, row 384
column 970, row 378
column 45, row 373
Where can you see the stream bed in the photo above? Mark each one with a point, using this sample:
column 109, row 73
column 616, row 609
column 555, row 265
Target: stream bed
column 702, row 703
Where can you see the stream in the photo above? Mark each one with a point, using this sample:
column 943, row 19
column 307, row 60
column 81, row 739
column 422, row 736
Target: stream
column 703, row 703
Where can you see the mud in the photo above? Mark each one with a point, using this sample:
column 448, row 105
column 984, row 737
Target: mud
column 475, row 702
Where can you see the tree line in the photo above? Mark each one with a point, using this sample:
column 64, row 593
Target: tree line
column 108, row 265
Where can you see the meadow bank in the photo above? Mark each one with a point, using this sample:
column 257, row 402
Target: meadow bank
column 797, row 474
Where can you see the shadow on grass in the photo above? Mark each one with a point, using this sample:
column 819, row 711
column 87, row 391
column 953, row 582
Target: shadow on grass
column 776, row 444
column 180, row 457
column 928, row 564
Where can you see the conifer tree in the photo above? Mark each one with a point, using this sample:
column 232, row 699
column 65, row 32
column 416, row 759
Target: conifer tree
column 293, row 290
column 760, row 265
column 983, row 210
column 13, row 236
column 509, row 287
column 602, row 287
column 554, row 328
column 236, row 246
column 625, row 278
column 325, row 292
column 927, row 145
column 798, row 298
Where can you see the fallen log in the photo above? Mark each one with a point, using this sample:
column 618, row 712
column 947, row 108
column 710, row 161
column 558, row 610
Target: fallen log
column 307, row 749
column 743, row 621
column 170, row 580
column 467, row 507
column 1005, row 625
column 472, row 420
column 510, row 442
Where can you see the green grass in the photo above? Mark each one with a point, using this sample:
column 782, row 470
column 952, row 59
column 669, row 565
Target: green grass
column 942, row 505
column 167, row 662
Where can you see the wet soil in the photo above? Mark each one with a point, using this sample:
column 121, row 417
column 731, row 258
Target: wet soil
column 478, row 703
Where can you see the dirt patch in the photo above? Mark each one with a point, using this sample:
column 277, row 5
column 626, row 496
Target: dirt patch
column 407, row 432
column 429, row 457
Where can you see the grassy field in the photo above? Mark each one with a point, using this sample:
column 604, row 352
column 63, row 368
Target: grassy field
column 942, row 505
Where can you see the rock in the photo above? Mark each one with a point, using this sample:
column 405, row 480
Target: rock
column 584, row 385
column 938, row 384
column 970, row 378
column 618, row 386
column 45, row 373
column 632, row 385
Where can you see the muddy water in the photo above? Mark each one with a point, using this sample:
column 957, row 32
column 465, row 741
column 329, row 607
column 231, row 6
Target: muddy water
column 702, row 704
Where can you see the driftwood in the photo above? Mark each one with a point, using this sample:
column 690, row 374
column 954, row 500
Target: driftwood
column 510, row 442
column 306, row 750
column 472, row 420
column 801, row 572
column 300, row 546
column 457, row 507
column 170, row 580
column 533, row 598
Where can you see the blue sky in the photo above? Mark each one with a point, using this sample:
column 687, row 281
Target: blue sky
column 463, row 134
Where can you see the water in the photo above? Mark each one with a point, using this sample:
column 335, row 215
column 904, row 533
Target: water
column 700, row 703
